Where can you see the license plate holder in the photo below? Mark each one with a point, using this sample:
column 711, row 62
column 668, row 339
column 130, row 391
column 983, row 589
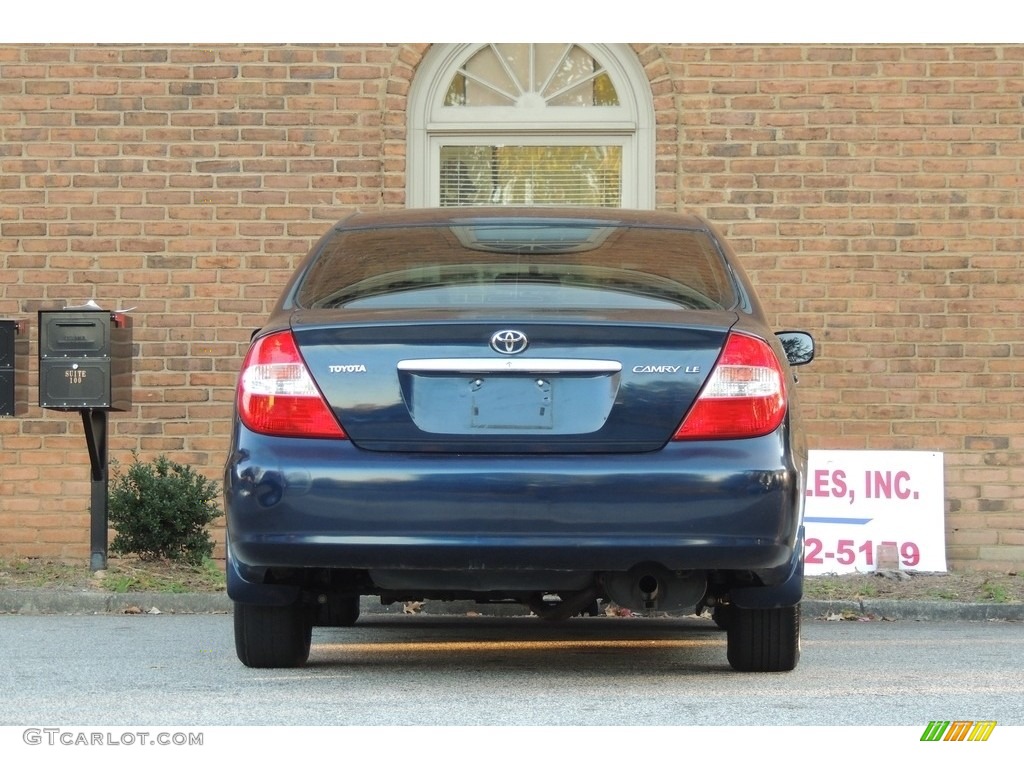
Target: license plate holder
column 512, row 402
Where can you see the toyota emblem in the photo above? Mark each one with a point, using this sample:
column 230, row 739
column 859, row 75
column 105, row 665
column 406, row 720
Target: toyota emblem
column 509, row 342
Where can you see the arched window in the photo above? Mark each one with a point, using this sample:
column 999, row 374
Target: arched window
column 530, row 124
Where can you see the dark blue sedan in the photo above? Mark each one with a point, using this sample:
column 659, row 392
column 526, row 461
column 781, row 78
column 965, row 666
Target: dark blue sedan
column 554, row 407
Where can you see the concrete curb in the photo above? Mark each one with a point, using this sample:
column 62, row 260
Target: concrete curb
column 913, row 610
column 44, row 601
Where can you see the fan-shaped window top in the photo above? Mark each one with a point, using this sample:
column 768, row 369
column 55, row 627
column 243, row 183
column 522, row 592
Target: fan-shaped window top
column 531, row 75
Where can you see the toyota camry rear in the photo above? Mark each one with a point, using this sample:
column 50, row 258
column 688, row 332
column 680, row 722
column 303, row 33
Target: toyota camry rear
column 559, row 408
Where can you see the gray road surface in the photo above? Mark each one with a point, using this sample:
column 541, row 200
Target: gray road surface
column 420, row 670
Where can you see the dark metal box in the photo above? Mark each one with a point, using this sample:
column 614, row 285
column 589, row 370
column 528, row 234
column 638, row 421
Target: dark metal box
column 13, row 367
column 85, row 360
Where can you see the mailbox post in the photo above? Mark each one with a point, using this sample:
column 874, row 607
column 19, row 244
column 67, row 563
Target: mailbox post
column 13, row 367
column 85, row 365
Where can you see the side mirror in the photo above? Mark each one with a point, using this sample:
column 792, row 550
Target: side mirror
column 798, row 345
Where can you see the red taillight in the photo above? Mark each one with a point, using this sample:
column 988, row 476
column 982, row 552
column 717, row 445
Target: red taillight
column 277, row 395
column 745, row 396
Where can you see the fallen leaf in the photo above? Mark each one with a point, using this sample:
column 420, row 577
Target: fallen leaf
column 616, row 610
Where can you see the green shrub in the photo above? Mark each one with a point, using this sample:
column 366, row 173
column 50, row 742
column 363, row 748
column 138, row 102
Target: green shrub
column 160, row 509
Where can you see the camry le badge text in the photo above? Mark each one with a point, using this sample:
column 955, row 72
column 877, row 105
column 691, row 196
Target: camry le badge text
column 666, row 368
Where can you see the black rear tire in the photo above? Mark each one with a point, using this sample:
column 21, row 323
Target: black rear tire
column 272, row 635
column 722, row 616
column 763, row 639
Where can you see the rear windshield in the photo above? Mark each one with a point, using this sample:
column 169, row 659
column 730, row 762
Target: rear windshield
column 550, row 264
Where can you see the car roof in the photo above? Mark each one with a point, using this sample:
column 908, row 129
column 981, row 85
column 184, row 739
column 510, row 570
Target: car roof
column 452, row 216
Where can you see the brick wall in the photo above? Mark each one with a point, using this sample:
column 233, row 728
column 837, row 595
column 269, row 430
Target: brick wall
column 875, row 193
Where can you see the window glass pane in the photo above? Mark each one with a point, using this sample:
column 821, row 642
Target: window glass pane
column 575, row 72
column 547, row 58
column 534, row 263
column 489, row 83
column 574, row 96
column 456, row 94
column 531, row 175
column 604, row 91
column 519, row 59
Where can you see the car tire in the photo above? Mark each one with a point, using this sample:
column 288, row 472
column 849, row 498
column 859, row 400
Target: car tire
column 763, row 639
column 722, row 616
column 338, row 612
column 272, row 635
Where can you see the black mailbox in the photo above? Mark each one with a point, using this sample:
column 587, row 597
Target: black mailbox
column 85, row 360
column 13, row 367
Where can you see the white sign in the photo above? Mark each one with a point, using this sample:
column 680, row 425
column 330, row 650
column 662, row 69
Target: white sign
column 871, row 509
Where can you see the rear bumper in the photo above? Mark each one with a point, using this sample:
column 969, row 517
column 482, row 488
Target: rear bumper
column 727, row 505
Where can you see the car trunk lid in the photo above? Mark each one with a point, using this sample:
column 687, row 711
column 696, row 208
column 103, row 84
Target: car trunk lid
column 600, row 382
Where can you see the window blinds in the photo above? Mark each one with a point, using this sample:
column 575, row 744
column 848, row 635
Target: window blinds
column 531, row 175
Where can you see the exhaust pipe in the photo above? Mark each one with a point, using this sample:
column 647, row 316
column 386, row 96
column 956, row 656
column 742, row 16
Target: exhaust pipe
column 652, row 587
column 648, row 586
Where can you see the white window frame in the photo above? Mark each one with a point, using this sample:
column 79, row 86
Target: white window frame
column 433, row 125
